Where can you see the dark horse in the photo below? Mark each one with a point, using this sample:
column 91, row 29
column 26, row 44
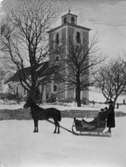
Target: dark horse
column 39, row 113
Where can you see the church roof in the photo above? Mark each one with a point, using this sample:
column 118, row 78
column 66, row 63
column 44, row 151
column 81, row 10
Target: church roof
column 20, row 73
column 68, row 24
column 69, row 13
column 44, row 71
column 15, row 76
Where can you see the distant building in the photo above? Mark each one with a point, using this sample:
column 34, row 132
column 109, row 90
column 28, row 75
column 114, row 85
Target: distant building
column 68, row 31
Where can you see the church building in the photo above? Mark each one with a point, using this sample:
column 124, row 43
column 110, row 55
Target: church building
column 69, row 32
column 60, row 37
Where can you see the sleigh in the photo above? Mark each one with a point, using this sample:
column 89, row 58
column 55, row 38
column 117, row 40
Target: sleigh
column 96, row 127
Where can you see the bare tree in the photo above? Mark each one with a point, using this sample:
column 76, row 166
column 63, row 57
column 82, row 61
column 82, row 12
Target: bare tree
column 24, row 38
column 111, row 79
column 80, row 61
column 79, row 65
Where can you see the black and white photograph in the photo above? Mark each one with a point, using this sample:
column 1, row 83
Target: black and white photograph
column 62, row 83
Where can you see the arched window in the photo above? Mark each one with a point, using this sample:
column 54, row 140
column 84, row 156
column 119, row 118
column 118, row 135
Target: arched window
column 65, row 20
column 72, row 20
column 78, row 38
column 55, row 88
column 57, row 58
column 57, row 38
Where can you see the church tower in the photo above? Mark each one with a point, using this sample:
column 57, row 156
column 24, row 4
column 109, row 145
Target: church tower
column 61, row 36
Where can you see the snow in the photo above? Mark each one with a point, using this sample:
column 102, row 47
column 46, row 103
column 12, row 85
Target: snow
column 96, row 95
column 20, row 147
column 70, row 106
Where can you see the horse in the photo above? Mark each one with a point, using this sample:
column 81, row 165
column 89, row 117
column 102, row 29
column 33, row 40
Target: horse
column 39, row 113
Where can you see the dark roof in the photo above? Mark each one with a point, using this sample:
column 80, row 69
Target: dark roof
column 53, row 29
column 68, row 24
column 69, row 14
column 20, row 73
column 16, row 78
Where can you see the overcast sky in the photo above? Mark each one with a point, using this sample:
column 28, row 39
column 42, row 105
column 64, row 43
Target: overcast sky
column 108, row 18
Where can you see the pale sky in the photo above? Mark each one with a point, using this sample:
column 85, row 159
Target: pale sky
column 107, row 18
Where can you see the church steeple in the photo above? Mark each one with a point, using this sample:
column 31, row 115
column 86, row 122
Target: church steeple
column 69, row 18
column 68, row 34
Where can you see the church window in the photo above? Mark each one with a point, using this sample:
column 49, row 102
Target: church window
column 57, row 38
column 57, row 58
column 78, row 38
column 72, row 20
column 55, row 88
column 65, row 20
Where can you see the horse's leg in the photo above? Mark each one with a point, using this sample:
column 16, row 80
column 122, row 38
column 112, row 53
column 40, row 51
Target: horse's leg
column 35, row 125
column 55, row 127
column 58, row 127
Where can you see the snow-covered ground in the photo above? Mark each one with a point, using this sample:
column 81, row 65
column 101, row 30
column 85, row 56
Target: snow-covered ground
column 19, row 147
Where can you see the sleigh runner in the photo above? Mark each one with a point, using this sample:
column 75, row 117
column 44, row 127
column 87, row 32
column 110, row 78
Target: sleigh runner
column 96, row 127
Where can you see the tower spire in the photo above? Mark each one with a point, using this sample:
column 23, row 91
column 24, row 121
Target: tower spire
column 69, row 10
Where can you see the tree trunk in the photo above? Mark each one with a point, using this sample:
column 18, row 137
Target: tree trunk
column 34, row 94
column 78, row 91
column 78, row 99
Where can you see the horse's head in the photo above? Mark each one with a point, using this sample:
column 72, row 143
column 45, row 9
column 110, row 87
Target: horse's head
column 28, row 103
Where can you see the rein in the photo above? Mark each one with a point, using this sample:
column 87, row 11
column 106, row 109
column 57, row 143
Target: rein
column 68, row 130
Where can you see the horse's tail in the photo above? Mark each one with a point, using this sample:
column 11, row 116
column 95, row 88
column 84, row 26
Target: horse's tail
column 59, row 116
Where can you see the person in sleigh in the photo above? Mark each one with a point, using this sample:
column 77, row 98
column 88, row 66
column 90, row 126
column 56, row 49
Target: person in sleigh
column 111, row 116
